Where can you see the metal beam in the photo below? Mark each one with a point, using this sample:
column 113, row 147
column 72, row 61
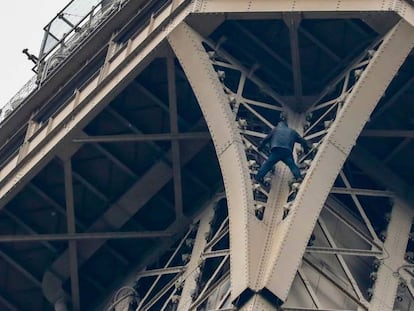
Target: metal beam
column 342, row 262
column 331, row 277
column 322, row 46
column 335, row 208
column 292, row 235
column 62, row 211
column 29, row 229
column 343, row 251
column 263, row 46
column 161, row 104
column 26, row 273
column 255, row 64
column 175, row 146
column 363, row 192
column 388, row 133
column 149, row 298
column 133, row 128
column 71, row 227
column 358, row 27
column 381, row 22
column 46, row 243
column 305, row 15
column 188, row 47
column 386, row 283
column 344, row 68
column 360, row 209
column 85, row 236
column 309, row 288
column 88, row 185
column 193, row 265
column 217, row 273
column 397, row 150
column 181, row 121
column 292, row 21
column 264, row 87
column 393, row 99
column 161, row 271
column 143, row 137
column 119, row 117
column 376, row 169
column 158, row 102
column 115, row 160
column 401, row 7
column 215, row 254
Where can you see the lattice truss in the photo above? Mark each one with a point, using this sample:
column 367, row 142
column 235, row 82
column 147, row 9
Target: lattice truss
column 257, row 113
column 342, row 259
column 194, row 274
column 347, row 247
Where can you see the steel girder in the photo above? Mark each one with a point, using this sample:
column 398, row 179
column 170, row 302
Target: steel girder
column 384, row 175
column 323, row 283
column 188, row 287
column 188, row 47
column 193, row 267
column 71, row 228
column 401, row 7
column 388, row 278
column 392, row 276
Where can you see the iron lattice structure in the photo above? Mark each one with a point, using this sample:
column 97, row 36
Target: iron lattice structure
column 126, row 174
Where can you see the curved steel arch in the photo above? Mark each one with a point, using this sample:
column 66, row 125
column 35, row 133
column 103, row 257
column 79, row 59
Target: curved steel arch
column 188, row 47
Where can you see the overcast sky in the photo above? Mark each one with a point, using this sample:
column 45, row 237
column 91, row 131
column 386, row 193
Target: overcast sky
column 21, row 26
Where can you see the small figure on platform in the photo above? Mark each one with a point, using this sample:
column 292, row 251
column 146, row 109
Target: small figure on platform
column 281, row 140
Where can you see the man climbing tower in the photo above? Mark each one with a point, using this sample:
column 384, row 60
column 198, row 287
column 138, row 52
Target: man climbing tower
column 281, row 140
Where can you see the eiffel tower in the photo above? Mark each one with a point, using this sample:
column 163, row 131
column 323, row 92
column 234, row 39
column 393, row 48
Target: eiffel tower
column 128, row 161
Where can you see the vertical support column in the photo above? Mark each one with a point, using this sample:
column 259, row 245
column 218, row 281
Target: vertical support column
column 293, row 21
column 395, row 245
column 175, row 145
column 246, row 231
column 292, row 235
column 192, row 268
column 73, row 254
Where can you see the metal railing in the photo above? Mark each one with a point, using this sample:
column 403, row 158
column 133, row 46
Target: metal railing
column 63, row 35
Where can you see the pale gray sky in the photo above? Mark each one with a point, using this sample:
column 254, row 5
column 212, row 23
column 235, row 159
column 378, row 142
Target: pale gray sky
column 21, row 26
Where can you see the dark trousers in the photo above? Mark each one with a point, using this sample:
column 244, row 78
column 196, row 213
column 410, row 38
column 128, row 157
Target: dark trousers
column 276, row 155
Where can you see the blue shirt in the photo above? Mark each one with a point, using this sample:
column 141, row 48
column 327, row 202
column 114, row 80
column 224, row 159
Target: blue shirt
column 284, row 137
